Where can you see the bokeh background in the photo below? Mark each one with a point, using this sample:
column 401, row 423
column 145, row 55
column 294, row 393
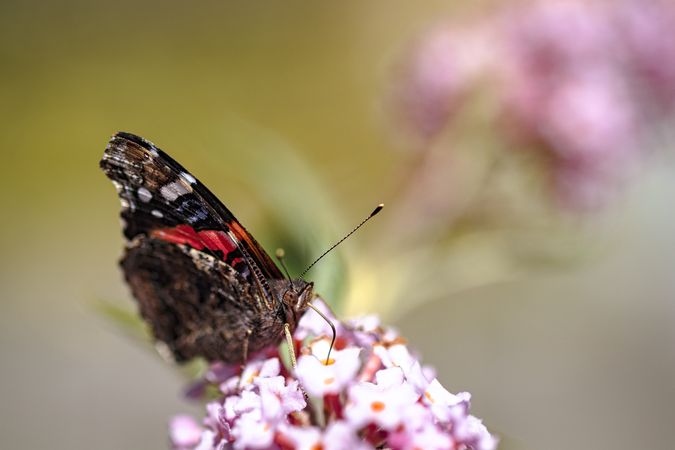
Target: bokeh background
column 524, row 151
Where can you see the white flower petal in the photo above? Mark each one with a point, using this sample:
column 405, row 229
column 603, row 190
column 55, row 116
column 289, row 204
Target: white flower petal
column 389, row 377
column 251, row 432
column 184, row 431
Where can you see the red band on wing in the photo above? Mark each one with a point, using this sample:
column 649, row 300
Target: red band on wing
column 217, row 240
column 181, row 234
column 185, row 234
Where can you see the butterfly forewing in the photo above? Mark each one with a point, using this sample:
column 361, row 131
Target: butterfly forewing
column 161, row 198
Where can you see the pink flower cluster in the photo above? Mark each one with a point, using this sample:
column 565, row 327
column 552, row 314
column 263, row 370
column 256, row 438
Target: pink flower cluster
column 581, row 81
column 371, row 393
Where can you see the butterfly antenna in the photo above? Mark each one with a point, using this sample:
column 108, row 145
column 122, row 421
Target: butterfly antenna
column 375, row 211
column 280, row 254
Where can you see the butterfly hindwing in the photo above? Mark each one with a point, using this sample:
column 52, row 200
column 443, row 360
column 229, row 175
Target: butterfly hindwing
column 192, row 301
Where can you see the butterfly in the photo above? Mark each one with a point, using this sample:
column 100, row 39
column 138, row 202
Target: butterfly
column 203, row 283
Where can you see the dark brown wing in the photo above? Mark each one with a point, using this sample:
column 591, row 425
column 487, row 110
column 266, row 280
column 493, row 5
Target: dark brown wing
column 196, row 304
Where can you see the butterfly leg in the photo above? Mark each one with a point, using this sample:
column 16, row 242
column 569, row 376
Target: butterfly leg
column 291, row 353
column 291, row 346
column 249, row 332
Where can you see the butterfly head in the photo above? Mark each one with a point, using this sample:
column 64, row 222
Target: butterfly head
column 294, row 298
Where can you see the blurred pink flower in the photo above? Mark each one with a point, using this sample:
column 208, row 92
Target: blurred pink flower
column 581, row 82
column 554, row 38
column 184, row 432
column 644, row 29
column 570, row 97
column 369, row 402
column 437, row 72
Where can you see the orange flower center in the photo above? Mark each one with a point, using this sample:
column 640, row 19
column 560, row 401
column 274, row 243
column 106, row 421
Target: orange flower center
column 377, row 406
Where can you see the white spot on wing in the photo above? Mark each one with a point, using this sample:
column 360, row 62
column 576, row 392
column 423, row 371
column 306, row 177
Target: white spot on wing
column 144, row 194
column 157, row 213
column 174, row 190
column 126, row 204
column 189, row 178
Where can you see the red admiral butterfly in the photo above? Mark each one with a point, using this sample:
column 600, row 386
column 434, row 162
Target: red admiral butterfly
column 203, row 283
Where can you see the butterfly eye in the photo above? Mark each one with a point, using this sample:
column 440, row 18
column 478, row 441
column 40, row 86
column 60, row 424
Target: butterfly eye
column 288, row 296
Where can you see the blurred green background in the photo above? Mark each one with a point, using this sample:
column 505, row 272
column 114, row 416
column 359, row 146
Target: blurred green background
column 278, row 108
